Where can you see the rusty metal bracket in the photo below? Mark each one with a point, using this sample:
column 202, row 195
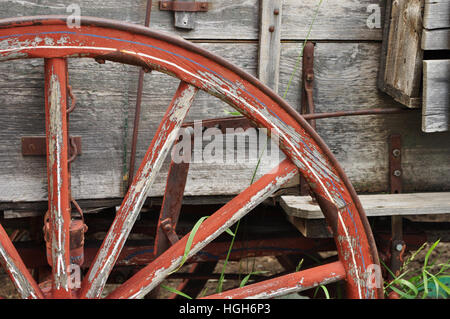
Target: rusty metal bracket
column 395, row 164
column 168, row 228
column 36, row 145
column 307, row 101
column 190, row 6
column 184, row 11
column 395, row 184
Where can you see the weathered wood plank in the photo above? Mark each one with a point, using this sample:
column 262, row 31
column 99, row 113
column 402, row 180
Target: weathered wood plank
column 375, row 205
column 401, row 65
column 436, row 14
column 269, row 42
column 436, row 96
column 228, row 19
column 345, row 80
column 436, row 39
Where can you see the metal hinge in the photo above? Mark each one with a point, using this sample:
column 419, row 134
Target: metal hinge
column 184, row 11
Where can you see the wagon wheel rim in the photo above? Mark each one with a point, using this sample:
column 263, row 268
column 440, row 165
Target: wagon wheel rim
column 198, row 69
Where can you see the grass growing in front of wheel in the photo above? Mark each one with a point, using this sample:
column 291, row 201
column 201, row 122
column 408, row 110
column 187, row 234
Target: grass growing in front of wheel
column 432, row 280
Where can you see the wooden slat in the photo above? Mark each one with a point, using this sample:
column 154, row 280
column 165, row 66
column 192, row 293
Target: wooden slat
column 345, row 80
column 436, row 14
column 269, row 42
column 375, row 205
column 401, row 65
column 436, row 96
column 225, row 19
column 436, row 39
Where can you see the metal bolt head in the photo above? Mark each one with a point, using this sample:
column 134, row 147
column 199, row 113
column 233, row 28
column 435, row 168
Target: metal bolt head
column 399, row 247
column 271, row 28
column 276, row 12
column 396, row 152
column 397, row 173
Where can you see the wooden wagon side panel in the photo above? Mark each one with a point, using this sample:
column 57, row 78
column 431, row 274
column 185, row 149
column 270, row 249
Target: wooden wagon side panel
column 345, row 73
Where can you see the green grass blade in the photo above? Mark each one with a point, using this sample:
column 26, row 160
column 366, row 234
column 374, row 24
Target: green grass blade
column 325, row 290
column 175, row 291
column 187, row 249
column 246, row 278
column 430, row 250
column 299, row 265
column 222, row 273
column 228, row 231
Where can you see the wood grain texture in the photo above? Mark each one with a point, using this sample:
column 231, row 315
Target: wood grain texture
column 436, row 39
column 375, row 205
column 345, row 80
column 270, row 42
column 401, row 65
column 436, row 14
column 436, row 96
column 225, row 19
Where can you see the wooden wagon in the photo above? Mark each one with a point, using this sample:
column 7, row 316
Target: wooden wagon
column 339, row 90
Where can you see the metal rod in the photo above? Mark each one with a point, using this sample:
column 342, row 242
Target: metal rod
column 393, row 110
column 137, row 113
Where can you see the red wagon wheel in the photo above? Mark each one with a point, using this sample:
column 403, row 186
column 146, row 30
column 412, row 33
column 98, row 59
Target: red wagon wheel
column 51, row 38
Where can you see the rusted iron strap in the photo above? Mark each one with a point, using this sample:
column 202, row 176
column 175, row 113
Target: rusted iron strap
column 171, row 206
column 308, row 82
column 35, row 145
column 183, row 6
column 307, row 102
column 395, row 183
column 169, row 229
column 375, row 111
column 395, row 164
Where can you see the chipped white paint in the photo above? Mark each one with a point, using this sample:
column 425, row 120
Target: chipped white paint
column 156, row 277
column 55, row 149
column 352, row 251
column 127, row 214
column 315, row 163
column 23, row 286
column 309, row 159
column 290, row 289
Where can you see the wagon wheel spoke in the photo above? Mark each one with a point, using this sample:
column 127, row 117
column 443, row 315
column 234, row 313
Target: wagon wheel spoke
column 17, row 271
column 165, row 136
column 291, row 283
column 152, row 275
column 59, row 209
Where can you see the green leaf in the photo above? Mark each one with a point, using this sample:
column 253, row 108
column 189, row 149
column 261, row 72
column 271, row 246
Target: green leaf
column 299, row 265
column 427, row 256
column 187, row 249
column 176, row 291
column 403, row 294
column 325, row 290
column 228, row 231
column 233, row 112
column 246, row 278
